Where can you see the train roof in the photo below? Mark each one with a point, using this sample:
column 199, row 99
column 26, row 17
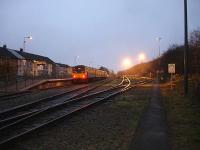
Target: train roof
column 87, row 67
column 79, row 66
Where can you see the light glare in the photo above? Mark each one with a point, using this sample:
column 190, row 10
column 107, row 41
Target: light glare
column 126, row 63
column 142, row 57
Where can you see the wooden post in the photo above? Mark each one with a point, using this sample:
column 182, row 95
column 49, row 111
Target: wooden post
column 171, row 82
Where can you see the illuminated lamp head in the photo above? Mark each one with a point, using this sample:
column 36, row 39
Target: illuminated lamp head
column 126, row 63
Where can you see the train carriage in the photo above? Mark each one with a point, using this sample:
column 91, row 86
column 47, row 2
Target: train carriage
column 85, row 73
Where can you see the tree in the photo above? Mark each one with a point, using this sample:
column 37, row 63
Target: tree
column 195, row 38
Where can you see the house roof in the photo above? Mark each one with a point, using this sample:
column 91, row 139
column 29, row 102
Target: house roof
column 62, row 65
column 29, row 56
column 6, row 54
column 15, row 54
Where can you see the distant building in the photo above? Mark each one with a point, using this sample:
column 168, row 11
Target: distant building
column 37, row 65
column 63, row 70
column 19, row 63
column 10, row 64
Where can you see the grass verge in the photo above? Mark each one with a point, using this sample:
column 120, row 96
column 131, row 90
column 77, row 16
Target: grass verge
column 183, row 115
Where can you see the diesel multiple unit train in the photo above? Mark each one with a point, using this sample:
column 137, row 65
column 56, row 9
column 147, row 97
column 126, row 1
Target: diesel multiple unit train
column 84, row 73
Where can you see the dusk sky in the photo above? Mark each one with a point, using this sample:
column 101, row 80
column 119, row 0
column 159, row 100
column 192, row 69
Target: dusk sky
column 100, row 32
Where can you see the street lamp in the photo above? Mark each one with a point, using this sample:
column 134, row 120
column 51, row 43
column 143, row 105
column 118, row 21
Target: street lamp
column 75, row 60
column 159, row 68
column 126, row 63
column 28, row 37
column 141, row 57
column 159, row 39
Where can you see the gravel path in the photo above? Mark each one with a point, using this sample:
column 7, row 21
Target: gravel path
column 152, row 133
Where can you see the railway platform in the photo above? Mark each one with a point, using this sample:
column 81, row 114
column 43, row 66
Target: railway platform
column 20, row 85
column 31, row 84
column 48, row 83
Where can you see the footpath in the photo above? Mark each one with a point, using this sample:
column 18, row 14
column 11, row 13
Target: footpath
column 152, row 132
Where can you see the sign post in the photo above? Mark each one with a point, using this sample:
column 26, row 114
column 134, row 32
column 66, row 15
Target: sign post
column 171, row 70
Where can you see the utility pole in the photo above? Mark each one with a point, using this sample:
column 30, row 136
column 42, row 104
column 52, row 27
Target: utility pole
column 159, row 38
column 159, row 58
column 186, row 50
column 75, row 60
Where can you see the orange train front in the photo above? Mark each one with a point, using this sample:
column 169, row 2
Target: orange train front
column 83, row 73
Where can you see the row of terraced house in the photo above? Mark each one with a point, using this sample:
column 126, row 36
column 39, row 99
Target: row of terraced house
column 17, row 63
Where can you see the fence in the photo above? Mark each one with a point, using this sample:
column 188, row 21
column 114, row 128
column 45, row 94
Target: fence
column 9, row 78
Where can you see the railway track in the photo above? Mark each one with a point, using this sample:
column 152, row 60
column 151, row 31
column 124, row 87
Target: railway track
column 9, row 96
column 12, row 115
column 58, row 111
column 14, row 95
column 18, row 94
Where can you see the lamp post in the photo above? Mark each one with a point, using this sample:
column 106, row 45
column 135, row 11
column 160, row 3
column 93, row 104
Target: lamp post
column 159, row 67
column 186, row 49
column 30, row 38
column 24, row 43
column 159, row 39
column 141, row 57
column 75, row 60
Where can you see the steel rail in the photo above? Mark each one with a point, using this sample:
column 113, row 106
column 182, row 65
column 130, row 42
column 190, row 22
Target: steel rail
column 26, row 92
column 60, row 111
column 26, row 125
column 11, row 115
column 13, row 95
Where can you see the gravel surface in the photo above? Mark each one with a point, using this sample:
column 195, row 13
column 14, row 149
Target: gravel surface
column 35, row 95
column 109, row 126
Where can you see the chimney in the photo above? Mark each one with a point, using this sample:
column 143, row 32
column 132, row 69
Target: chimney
column 21, row 50
column 4, row 46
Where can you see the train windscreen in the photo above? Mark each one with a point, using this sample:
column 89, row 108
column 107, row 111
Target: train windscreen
column 78, row 69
